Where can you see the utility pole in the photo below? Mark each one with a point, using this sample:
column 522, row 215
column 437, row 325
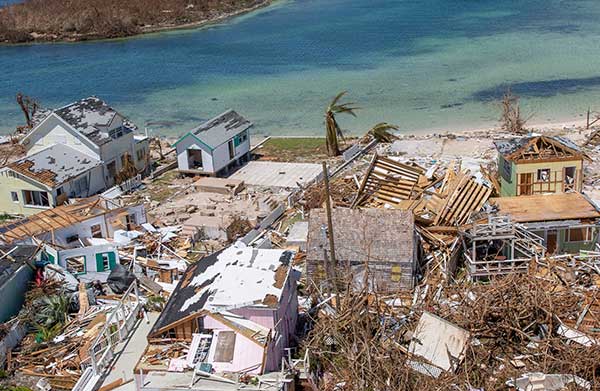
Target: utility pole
column 330, row 232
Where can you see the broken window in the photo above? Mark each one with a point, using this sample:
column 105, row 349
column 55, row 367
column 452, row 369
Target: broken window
column 543, row 175
column 506, row 170
column 141, row 154
column 112, row 168
column 76, row 265
column 131, row 222
column 36, row 198
column 14, row 196
column 96, row 231
column 225, row 346
column 72, row 238
column 80, row 186
column 105, row 262
column 581, row 234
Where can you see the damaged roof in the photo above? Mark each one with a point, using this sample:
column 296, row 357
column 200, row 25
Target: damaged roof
column 546, row 207
column 511, row 148
column 13, row 257
column 228, row 279
column 54, row 165
column 56, row 218
column 363, row 234
column 92, row 117
column 221, row 129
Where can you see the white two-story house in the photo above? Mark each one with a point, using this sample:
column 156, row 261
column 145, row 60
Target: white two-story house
column 76, row 151
column 215, row 146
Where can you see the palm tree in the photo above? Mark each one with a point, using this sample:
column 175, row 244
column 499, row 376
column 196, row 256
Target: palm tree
column 333, row 130
column 382, row 132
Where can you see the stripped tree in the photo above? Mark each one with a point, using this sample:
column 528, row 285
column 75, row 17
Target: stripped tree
column 511, row 120
column 332, row 128
column 29, row 106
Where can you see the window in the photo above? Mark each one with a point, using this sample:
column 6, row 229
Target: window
column 506, row 170
column 36, row 198
column 105, row 262
column 116, row 133
column 72, row 238
column 243, row 137
column 76, row 265
column 131, row 221
column 96, row 231
column 112, row 169
column 141, row 154
column 60, row 191
column 581, row 234
column 543, row 175
column 80, row 186
column 14, row 196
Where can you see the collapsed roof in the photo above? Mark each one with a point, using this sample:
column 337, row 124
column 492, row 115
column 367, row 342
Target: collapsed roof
column 539, row 148
column 54, row 165
column 363, row 234
column 228, row 279
column 55, row 218
column 546, row 207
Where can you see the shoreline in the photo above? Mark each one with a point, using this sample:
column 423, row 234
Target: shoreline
column 39, row 39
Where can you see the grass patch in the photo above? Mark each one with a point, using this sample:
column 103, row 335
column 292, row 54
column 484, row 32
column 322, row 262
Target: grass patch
column 293, row 149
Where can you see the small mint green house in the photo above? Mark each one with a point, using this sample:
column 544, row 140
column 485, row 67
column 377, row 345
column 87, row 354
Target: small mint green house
column 539, row 165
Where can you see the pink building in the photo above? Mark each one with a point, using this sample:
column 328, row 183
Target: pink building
column 235, row 311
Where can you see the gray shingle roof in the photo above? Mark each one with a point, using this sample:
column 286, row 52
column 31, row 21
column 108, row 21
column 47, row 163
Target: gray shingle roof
column 509, row 146
column 89, row 115
column 55, row 165
column 221, row 128
column 363, row 234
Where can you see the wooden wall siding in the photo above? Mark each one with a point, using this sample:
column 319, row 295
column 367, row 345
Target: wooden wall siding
column 383, row 276
column 185, row 330
column 554, row 184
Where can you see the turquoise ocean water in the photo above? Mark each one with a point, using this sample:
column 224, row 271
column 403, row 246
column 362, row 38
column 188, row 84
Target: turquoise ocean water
column 422, row 64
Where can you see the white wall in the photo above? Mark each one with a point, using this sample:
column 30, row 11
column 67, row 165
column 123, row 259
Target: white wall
column 182, row 157
column 221, row 154
column 95, row 184
column 55, row 131
column 90, row 255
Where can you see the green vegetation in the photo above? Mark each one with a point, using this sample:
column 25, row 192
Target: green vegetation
column 293, row 149
column 14, row 388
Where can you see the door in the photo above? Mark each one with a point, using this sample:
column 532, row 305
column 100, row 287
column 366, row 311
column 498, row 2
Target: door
column 551, row 241
column 570, row 176
column 526, row 184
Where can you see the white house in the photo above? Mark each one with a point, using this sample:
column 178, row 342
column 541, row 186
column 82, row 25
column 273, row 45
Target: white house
column 48, row 178
column 75, row 151
column 77, row 236
column 92, row 127
column 215, row 146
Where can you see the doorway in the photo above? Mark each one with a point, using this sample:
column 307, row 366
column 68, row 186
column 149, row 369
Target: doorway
column 551, row 242
column 526, row 184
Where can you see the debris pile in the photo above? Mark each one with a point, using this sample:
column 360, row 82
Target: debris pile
column 517, row 324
